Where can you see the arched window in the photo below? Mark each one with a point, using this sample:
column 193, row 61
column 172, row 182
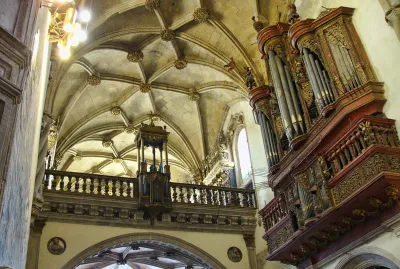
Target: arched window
column 244, row 155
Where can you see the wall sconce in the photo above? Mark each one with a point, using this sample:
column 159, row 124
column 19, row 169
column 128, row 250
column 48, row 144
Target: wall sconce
column 68, row 25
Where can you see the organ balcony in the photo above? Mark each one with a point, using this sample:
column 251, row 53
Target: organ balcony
column 108, row 200
column 336, row 170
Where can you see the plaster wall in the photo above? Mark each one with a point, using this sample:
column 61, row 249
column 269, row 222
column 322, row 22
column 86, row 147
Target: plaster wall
column 82, row 237
column 15, row 215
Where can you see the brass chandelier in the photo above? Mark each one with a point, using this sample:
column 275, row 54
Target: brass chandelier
column 69, row 23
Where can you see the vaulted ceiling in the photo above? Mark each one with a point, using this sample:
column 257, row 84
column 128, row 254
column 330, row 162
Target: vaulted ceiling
column 192, row 100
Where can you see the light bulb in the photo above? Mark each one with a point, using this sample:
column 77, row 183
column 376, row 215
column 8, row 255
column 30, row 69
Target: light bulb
column 75, row 41
column 70, row 16
column 76, row 34
column 68, row 28
column 64, row 53
column 82, row 35
column 85, row 15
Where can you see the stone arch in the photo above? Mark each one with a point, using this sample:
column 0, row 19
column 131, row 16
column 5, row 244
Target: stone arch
column 156, row 237
column 366, row 257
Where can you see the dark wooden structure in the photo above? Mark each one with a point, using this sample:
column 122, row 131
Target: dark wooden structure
column 154, row 196
column 334, row 157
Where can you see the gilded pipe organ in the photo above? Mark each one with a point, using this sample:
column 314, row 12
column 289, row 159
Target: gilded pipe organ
column 333, row 156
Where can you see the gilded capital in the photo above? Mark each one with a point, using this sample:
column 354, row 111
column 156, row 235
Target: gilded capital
column 167, row 35
column 193, row 95
column 93, row 80
column 115, row 110
column 145, row 87
column 107, row 143
column 151, row 5
column 180, row 64
column 135, row 56
column 200, row 15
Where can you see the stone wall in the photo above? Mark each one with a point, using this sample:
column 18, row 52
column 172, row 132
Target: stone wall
column 19, row 153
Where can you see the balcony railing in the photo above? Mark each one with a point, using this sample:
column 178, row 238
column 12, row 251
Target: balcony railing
column 114, row 201
column 361, row 163
column 100, row 185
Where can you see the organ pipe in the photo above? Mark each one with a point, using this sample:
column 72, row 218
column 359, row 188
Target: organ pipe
column 268, row 136
column 287, row 96
column 319, row 79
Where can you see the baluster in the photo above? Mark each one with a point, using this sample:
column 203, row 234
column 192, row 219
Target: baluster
column 67, row 184
column 104, row 187
column 208, row 196
column 228, row 198
column 62, row 184
column 121, row 188
column 131, row 190
column 195, row 196
column 181, row 195
column 221, row 197
column 96, row 184
column 75, row 184
column 188, row 195
column 125, row 189
column 235, row 199
column 88, row 185
column 203, row 199
column 174, row 194
column 215, row 197
column 110, row 187
column 117, row 188
column 249, row 200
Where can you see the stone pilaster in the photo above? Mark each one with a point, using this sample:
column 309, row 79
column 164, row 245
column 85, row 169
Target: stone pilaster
column 34, row 243
column 250, row 241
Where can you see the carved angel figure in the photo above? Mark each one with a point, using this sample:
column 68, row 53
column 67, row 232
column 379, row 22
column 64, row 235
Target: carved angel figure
column 249, row 76
column 293, row 16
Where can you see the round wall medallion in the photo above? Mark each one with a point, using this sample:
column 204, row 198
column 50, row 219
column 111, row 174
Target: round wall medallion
column 234, row 254
column 56, row 246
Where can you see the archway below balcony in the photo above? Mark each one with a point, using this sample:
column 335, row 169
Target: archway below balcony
column 368, row 258
column 144, row 249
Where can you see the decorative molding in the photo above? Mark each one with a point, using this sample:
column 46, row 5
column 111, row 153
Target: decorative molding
column 93, row 80
column 135, row 56
column 200, row 15
column 145, row 87
column 152, row 5
column 193, row 95
column 180, row 64
column 167, row 35
column 11, row 91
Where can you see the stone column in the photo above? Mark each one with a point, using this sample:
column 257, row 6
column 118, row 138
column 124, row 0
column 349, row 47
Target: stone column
column 35, row 235
column 251, row 249
column 392, row 14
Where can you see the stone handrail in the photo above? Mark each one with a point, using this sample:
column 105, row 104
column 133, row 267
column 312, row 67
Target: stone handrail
column 211, row 195
column 95, row 184
column 90, row 183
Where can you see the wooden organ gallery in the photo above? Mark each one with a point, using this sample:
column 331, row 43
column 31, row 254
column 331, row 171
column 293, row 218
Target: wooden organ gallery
column 334, row 157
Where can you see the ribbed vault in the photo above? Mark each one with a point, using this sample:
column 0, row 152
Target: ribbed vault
column 180, row 55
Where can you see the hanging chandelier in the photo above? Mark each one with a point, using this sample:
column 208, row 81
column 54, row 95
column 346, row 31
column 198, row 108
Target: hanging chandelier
column 69, row 23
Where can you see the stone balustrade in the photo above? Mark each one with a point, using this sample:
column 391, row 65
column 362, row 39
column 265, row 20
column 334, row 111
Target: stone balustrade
column 94, row 184
column 106, row 200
